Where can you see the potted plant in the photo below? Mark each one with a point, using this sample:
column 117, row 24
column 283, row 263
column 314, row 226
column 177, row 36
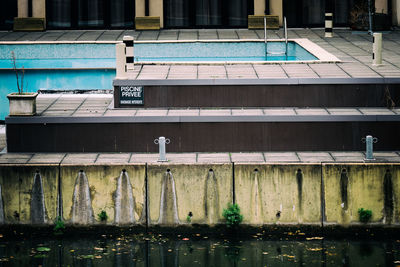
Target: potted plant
column 21, row 103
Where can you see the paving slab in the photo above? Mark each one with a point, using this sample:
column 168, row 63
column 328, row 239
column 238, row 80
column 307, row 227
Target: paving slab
column 144, row 158
column 15, row 158
column 247, row 157
column 116, row 158
column 311, row 111
column 184, row 112
column 314, row 156
column 213, row 158
column 47, row 158
column 281, row 157
column 80, row 158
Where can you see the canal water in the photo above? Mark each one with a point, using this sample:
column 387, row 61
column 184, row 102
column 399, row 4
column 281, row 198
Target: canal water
column 195, row 250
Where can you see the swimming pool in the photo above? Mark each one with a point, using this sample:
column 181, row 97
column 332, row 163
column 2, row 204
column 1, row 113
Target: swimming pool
column 244, row 51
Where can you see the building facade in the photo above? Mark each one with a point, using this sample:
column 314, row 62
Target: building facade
column 109, row 14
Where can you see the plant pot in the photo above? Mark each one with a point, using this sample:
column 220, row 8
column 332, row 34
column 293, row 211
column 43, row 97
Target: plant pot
column 22, row 104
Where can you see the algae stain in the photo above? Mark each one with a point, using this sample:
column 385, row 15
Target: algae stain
column 38, row 210
column 344, row 183
column 168, row 201
column 299, row 179
column 211, row 203
column 388, row 197
column 82, row 212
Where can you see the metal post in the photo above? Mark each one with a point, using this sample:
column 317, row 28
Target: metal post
column 328, row 24
column 377, row 49
column 369, row 143
column 129, row 43
column 162, row 141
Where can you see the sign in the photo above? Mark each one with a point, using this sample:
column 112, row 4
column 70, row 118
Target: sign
column 131, row 95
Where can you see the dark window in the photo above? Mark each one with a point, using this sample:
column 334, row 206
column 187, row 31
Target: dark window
column 90, row 13
column 311, row 13
column 7, row 13
column 206, row 13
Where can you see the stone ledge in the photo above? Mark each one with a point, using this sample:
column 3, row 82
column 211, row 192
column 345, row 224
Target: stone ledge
column 29, row 24
column 147, row 23
column 257, row 22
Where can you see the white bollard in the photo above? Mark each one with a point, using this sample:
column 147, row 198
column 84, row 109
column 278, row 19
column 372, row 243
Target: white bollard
column 377, row 49
column 328, row 24
column 161, row 142
column 128, row 41
column 120, row 61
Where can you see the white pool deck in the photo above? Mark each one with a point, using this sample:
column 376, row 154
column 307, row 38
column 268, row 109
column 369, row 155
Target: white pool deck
column 354, row 50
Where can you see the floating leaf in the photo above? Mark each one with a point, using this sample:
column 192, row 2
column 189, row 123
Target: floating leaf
column 40, row 256
column 87, row 256
column 314, row 238
column 43, row 249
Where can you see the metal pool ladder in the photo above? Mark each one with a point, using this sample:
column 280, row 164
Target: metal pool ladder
column 285, row 35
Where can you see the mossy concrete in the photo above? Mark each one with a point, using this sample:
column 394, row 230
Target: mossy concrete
column 191, row 191
column 17, row 181
column 285, row 198
column 102, row 181
column 365, row 189
column 315, row 194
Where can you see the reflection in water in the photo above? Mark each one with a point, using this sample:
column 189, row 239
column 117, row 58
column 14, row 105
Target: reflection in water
column 158, row 251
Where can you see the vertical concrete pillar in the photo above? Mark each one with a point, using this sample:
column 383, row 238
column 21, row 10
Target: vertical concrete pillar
column 276, row 9
column 129, row 53
column 328, row 18
column 377, row 49
column 381, row 6
column 39, row 8
column 157, row 9
column 120, row 61
column 22, row 8
column 328, row 24
column 139, row 8
column 396, row 12
column 259, row 7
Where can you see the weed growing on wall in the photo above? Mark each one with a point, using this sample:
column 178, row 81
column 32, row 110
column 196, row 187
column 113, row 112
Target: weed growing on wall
column 232, row 215
column 59, row 226
column 364, row 215
column 103, row 216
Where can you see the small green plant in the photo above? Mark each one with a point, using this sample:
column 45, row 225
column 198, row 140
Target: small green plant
column 103, row 216
column 189, row 217
column 232, row 215
column 364, row 215
column 59, row 225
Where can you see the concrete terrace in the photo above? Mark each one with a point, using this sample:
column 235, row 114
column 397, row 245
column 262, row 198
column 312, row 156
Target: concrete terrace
column 197, row 158
column 353, row 49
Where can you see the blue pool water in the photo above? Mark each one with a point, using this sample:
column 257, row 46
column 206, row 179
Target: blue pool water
column 92, row 66
column 220, row 51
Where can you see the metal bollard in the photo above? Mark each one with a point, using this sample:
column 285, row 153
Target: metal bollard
column 162, row 141
column 369, row 143
column 328, row 24
column 129, row 42
column 377, row 49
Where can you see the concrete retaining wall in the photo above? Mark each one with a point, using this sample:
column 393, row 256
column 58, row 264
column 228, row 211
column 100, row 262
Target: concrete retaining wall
column 179, row 194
